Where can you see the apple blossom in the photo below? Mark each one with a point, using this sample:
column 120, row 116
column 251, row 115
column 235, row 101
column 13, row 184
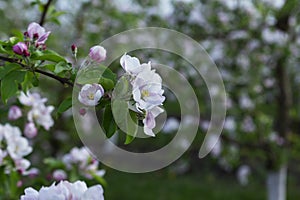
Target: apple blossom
column 132, row 65
column 31, row 99
column 41, row 115
column 22, row 165
column 65, row 190
column 90, row 94
column 149, row 121
column 97, row 53
column 81, row 158
column 18, row 147
column 21, row 49
column 30, row 194
column 30, row 130
column 147, row 90
column 14, row 113
column 37, row 33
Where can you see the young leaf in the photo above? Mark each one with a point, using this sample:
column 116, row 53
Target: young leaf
column 125, row 119
column 65, row 105
column 9, row 84
column 48, row 55
column 108, row 123
column 62, row 66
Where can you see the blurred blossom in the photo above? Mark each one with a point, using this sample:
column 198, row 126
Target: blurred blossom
column 205, row 125
column 274, row 36
column 243, row 174
column 97, row 53
column 41, row 115
column 248, row 124
column 33, row 172
column 59, row 175
column 269, row 82
column 258, row 89
column 230, row 124
column 90, row 94
column 65, row 190
column 171, row 125
column 80, row 157
column 22, row 165
column 14, row 113
column 30, row 130
column 31, row 99
column 274, row 137
column 245, row 102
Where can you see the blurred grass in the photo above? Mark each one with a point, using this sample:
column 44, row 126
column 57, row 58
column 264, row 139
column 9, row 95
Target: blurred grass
column 164, row 186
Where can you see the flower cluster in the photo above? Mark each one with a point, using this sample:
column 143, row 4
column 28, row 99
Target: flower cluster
column 35, row 36
column 87, row 166
column 39, row 114
column 65, row 191
column 13, row 147
column 146, row 90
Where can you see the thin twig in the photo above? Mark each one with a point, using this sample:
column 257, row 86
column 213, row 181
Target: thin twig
column 43, row 17
column 60, row 79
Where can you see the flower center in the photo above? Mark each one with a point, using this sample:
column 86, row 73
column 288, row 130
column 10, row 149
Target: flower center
column 91, row 96
column 145, row 93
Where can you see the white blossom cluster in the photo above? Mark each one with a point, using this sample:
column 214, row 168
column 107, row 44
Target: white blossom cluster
column 13, row 147
column 87, row 165
column 65, row 191
column 39, row 114
column 146, row 90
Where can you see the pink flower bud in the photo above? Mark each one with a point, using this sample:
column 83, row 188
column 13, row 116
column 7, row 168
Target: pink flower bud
column 30, row 130
column 59, row 175
column 21, row 49
column 14, row 113
column 74, row 48
column 82, row 111
column 19, row 183
column 26, row 34
column 97, row 53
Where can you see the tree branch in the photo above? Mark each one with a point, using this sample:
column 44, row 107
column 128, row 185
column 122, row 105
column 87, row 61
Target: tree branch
column 60, row 79
column 43, row 17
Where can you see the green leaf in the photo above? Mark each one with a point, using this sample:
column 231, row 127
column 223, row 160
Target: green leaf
column 98, row 74
column 53, row 163
column 108, row 122
column 14, row 40
column 30, row 80
column 8, row 67
column 65, row 105
column 9, row 84
column 99, row 179
column 62, row 66
column 48, row 55
column 107, row 84
column 126, row 120
column 122, row 89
